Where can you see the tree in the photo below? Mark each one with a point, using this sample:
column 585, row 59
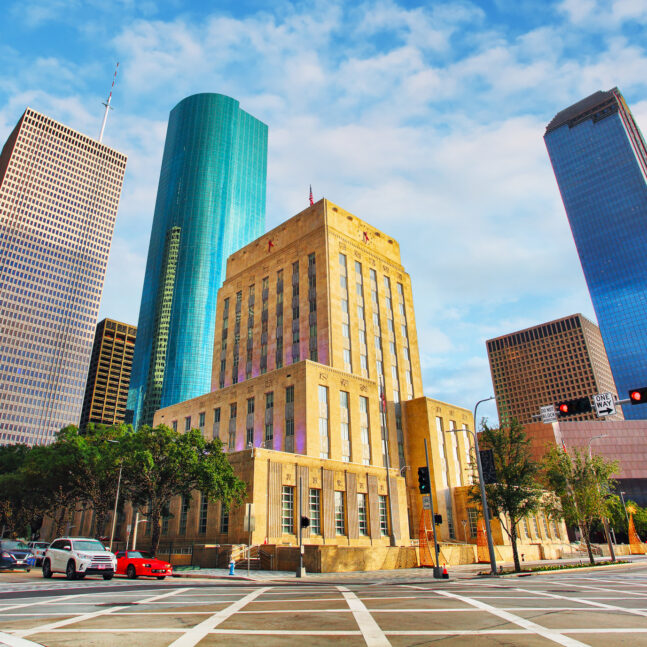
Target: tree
column 18, row 509
column 581, row 486
column 160, row 463
column 100, row 450
column 516, row 492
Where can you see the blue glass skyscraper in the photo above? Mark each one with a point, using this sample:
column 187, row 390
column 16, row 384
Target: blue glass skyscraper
column 600, row 162
column 210, row 202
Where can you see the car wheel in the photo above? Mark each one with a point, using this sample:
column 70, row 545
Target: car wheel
column 80, row 576
column 131, row 573
column 28, row 569
column 70, row 571
column 47, row 569
column 161, row 577
column 107, row 576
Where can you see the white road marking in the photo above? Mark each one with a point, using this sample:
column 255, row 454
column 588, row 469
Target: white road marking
column 372, row 632
column 31, row 604
column 599, row 605
column 14, row 641
column 195, row 634
column 88, row 616
column 518, row 620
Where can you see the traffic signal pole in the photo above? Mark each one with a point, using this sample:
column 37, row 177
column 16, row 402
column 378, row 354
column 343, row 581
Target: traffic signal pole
column 437, row 572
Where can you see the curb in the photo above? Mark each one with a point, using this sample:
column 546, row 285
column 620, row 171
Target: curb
column 580, row 569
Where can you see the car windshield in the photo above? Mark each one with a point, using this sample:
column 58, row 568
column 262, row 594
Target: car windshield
column 41, row 544
column 88, row 544
column 134, row 554
column 14, row 545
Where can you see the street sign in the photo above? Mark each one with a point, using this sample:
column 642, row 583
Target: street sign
column 426, row 502
column 249, row 523
column 604, row 404
column 548, row 413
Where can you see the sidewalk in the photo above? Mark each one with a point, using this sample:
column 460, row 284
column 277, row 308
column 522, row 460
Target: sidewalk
column 464, row 571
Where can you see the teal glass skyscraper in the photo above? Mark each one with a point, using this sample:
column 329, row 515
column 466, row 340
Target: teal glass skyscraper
column 210, row 202
column 600, row 162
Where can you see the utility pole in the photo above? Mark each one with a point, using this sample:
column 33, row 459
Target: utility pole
column 437, row 572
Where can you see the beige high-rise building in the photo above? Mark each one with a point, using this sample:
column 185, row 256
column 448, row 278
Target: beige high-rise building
column 546, row 364
column 315, row 333
column 59, row 192
column 106, row 391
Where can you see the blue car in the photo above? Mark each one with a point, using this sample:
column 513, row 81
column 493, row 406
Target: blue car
column 14, row 555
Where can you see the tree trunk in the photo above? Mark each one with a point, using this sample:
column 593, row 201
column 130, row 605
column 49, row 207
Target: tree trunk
column 154, row 520
column 515, row 552
column 587, row 540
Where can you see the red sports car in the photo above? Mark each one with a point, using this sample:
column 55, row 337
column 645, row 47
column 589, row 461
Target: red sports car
column 133, row 563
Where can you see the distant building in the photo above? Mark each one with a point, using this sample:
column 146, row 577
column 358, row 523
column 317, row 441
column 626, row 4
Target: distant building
column 624, row 441
column 555, row 361
column 600, row 161
column 59, row 192
column 210, row 202
column 106, row 391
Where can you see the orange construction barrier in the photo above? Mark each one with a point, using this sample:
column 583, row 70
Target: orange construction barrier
column 637, row 547
column 426, row 539
column 482, row 552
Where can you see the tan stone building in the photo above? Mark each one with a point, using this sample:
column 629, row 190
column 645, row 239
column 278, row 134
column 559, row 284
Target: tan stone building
column 546, row 364
column 316, row 372
column 315, row 351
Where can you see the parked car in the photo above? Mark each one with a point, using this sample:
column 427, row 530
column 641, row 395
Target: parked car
column 133, row 563
column 38, row 548
column 78, row 557
column 14, row 554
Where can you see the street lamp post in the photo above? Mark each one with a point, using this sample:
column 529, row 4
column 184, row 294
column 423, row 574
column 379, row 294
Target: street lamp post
column 624, row 505
column 114, row 514
column 605, row 521
column 479, row 466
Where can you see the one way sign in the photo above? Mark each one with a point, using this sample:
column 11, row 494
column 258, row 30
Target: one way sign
column 604, row 404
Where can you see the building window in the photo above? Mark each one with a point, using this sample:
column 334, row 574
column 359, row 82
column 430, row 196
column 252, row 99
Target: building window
column 269, row 420
column 287, row 507
column 362, row 512
column 216, row 422
column 344, row 424
column 340, row 514
column 174, row 423
column 233, row 413
column 187, row 423
column 473, row 518
column 201, row 419
column 315, row 512
column 324, row 441
column 224, row 520
column 184, row 511
column 364, row 430
column 384, row 515
column 204, row 507
column 289, row 419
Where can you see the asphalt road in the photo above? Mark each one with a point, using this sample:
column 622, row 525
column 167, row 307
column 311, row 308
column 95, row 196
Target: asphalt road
column 604, row 608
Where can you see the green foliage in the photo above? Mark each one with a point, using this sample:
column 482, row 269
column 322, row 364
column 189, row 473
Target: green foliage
column 516, row 493
column 581, row 486
column 161, row 463
column 82, row 470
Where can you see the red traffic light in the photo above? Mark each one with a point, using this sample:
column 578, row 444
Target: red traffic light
column 563, row 407
column 638, row 396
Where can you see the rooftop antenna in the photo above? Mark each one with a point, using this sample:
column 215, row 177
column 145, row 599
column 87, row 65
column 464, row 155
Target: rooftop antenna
column 106, row 103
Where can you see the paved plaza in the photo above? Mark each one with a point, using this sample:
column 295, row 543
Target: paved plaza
column 595, row 608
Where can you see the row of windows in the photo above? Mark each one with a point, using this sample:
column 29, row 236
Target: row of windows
column 288, row 516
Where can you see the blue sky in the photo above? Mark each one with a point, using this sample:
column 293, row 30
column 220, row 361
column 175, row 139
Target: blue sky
column 423, row 118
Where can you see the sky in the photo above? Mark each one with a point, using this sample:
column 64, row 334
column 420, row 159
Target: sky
column 425, row 119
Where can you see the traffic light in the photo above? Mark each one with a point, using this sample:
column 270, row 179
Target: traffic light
column 638, row 396
column 573, row 407
column 438, row 519
column 423, row 481
column 305, row 522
